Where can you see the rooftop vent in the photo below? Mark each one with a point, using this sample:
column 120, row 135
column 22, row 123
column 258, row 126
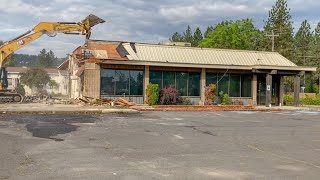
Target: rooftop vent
column 184, row 44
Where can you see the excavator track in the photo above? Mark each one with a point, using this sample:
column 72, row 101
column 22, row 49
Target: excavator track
column 10, row 97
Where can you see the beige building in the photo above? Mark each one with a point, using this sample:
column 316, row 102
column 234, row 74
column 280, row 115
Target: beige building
column 59, row 76
column 110, row 69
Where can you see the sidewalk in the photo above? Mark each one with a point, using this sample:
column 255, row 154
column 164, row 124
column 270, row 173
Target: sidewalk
column 289, row 108
column 60, row 108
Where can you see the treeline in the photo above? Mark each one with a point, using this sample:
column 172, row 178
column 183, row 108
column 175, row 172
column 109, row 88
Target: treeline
column 302, row 47
column 43, row 59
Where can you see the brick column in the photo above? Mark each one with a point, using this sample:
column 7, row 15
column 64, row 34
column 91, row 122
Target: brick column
column 281, row 91
column 202, row 86
column 254, row 89
column 296, row 90
column 146, row 80
column 268, row 90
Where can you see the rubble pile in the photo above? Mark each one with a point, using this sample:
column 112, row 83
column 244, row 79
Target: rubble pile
column 110, row 102
column 43, row 99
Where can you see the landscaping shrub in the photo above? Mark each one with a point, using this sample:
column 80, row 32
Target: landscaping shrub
column 225, row 100
column 210, row 94
column 169, row 96
column 288, row 100
column 152, row 94
column 184, row 101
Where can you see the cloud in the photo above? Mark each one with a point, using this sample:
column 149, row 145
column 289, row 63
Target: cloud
column 135, row 20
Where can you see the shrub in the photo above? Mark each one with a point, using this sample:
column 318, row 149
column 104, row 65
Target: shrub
column 225, row 100
column 184, row 101
column 152, row 94
column 288, row 100
column 169, row 96
column 210, row 94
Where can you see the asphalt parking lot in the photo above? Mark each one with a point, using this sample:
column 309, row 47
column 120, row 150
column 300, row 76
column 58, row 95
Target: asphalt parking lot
column 161, row 145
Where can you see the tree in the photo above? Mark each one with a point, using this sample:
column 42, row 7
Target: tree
column 197, row 37
column 280, row 23
column 10, row 60
column 187, row 36
column 35, row 77
column 209, row 29
column 232, row 35
column 302, row 43
column 176, row 37
column 53, row 84
column 46, row 58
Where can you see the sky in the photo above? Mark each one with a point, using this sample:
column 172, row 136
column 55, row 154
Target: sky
column 149, row 21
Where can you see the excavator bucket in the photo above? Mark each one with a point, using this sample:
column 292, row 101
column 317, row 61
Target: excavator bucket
column 92, row 20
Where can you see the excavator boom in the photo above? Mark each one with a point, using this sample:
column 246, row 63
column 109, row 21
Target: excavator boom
column 49, row 28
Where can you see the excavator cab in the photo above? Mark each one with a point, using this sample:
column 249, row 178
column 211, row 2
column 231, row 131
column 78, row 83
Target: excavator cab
column 3, row 78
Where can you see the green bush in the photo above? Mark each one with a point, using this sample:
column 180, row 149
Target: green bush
column 225, row 100
column 184, row 101
column 210, row 94
column 288, row 100
column 153, row 94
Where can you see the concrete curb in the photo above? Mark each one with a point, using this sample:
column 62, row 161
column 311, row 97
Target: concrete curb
column 78, row 111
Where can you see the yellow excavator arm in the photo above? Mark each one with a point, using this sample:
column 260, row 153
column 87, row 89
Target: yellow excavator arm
column 51, row 29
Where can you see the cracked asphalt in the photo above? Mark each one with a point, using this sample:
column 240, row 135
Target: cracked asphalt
column 161, row 145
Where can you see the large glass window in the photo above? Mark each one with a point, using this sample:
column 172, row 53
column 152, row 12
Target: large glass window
column 211, row 78
column 223, row 83
column 187, row 83
column 156, row 78
column 168, row 79
column 182, row 83
column 136, row 82
column 194, row 84
column 121, row 82
column 234, row 90
column 246, row 85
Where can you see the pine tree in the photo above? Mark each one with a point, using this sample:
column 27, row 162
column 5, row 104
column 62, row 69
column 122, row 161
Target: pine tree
column 209, row 29
column 176, row 37
column 197, row 37
column 46, row 58
column 280, row 22
column 187, row 36
column 302, row 43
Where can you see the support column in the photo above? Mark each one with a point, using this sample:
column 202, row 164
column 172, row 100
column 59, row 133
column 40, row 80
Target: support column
column 254, row 89
column 296, row 90
column 146, row 80
column 92, row 80
column 202, row 86
column 281, row 90
column 268, row 89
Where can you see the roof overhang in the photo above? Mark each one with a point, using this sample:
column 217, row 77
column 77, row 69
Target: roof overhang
column 211, row 66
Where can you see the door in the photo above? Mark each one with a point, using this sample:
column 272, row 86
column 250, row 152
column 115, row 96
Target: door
column 261, row 94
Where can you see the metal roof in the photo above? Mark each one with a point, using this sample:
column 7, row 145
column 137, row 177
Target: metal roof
column 191, row 55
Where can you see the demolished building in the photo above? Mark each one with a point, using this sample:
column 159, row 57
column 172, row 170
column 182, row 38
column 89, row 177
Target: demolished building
column 111, row 69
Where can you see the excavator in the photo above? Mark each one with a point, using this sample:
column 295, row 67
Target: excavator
column 49, row 28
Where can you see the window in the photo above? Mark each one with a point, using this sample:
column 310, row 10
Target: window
column 223, row 83
column 168, row 79
column 187, row 83
column 211, row 78
column 194, row 84
column 136, row 82
column 234, row 90
column 121, row 82
column 156, row 78
column 182, row 83
column 246, row 85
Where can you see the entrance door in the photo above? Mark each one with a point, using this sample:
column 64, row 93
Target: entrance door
column 261, row 95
